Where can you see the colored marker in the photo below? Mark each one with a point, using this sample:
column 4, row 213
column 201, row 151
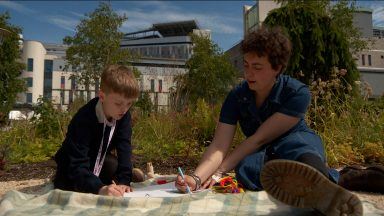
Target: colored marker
column 182, row 176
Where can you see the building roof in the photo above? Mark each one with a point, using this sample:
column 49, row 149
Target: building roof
column 169, row 29
column 364, row 10
column 378, row 28
column 181, row 28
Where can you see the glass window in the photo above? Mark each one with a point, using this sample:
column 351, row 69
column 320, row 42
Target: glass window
column 97, row 85
column 48, row 68
column 30, row 64
column 152, row 85
column 62, row 82
column 29, row 97
column 363, row 59
column 369, row 60
column 29, row 81
column 61, row 97
column 160, row 85
column 71, row 96
column 48, row 96
column 73, row 83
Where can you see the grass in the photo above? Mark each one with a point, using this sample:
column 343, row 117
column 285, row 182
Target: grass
column 350, row 125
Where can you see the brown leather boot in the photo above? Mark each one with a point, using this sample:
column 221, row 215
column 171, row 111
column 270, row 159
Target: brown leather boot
column 357, row 178
column 137, row 175
column 300, row 185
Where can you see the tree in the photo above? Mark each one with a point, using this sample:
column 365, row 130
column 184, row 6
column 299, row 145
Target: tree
column 210, row 74
column 144, row 102
column 96, row 45
column 10, row 68
column 322, row 35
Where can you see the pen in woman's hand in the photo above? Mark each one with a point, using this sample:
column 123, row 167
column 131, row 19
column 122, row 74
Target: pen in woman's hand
column 182, row 176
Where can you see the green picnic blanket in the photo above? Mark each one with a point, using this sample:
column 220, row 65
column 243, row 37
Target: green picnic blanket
column 58, row 202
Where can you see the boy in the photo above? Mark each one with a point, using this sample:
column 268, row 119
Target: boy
column 280, row 154
column 84, row 161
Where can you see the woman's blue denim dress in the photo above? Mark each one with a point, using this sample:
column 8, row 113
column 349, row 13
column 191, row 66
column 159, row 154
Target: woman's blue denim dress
column 288, row 96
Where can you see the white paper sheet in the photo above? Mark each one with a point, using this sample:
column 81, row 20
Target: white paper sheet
column 161, row 190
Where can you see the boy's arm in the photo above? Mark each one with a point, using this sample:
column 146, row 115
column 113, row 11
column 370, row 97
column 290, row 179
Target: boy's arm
column 122, row 140
column 78, row 142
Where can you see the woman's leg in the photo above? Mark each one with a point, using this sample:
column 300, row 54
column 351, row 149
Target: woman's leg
column 314, row 161
column 305, row 147
column 249, row 169
column 300, row 178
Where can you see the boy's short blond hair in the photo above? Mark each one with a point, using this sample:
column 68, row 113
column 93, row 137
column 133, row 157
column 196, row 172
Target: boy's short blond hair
column 121, row 80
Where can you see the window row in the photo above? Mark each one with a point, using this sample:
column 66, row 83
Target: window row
column 363, row 60
column 177, row 52
column 160, row 86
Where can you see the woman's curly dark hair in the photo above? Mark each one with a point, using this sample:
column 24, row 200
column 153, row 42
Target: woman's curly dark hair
column 270, row 42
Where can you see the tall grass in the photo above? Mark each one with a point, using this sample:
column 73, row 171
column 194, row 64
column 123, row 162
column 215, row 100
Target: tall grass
column 350, row 125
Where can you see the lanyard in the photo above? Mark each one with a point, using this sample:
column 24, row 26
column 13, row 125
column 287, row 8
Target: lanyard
column 98, row 163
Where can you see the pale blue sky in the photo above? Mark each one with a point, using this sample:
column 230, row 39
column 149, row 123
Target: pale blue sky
column 51, row 21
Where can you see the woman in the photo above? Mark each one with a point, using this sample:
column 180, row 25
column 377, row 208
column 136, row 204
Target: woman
column 280, row 154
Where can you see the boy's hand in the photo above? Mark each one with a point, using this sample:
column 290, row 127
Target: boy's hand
column 181, row 184
column 125, row 188
column 114, row 190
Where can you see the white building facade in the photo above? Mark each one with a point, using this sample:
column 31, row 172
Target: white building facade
column 163, row 51
column 370, row 62
column 45, row 75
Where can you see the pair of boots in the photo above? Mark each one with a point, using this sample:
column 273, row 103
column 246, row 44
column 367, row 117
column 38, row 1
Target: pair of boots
column 300, row 185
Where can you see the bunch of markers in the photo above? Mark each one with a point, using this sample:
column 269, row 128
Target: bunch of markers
column 228, row 184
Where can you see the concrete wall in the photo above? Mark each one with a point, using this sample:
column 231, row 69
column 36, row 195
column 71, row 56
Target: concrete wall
column 363, row 21
column 375, row 78
column 373, row 73
column 35, row 51
column 166, row 75
column 265, row 7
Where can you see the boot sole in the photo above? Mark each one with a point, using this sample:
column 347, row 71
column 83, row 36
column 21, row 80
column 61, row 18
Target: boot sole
column 300, row 185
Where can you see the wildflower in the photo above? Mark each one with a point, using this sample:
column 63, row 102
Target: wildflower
column 328, row 96
column 349, row 87
column 343, row 72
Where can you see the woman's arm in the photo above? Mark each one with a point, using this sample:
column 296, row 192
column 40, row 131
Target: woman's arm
column 216, row 151
column 212, row 157
column 271, row 129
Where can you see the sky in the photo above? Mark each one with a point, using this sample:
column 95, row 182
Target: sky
column 51, row 21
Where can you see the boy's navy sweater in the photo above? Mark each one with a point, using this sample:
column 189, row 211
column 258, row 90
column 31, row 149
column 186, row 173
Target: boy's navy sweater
column 77, row 156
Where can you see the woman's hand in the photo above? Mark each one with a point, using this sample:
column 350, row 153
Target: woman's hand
column 181, row 184
column 208, row 184
column 212, row 180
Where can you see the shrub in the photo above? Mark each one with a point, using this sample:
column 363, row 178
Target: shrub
column 346, row 120
column 48, row 121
